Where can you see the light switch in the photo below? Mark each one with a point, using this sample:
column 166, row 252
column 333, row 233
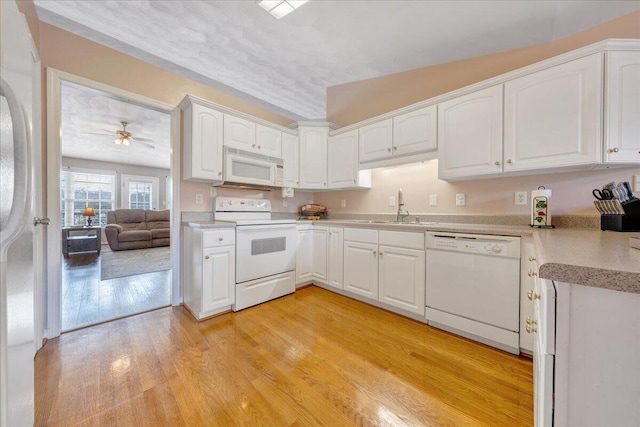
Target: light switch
column 433, row 200
column 199, row 199
column 392, row 201
column 343, row 203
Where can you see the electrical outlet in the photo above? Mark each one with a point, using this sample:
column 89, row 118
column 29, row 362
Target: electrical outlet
column 343, row 203
column 392, row 201
column 285, row 202
column 213, row 191
column 520, row 198
column 636, row 182
column 461, row 200
column 433, row 200
column 199, row 199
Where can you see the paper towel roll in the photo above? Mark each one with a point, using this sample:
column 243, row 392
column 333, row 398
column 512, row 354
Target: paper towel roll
column 540, row 206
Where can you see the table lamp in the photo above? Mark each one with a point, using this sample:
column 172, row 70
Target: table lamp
column 88, row 212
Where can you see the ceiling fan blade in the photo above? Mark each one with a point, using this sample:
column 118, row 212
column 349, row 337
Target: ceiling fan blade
column 140, row 141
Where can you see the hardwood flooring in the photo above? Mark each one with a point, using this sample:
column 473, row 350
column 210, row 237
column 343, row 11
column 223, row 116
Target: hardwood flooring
column 86, row 300
column 310, row 358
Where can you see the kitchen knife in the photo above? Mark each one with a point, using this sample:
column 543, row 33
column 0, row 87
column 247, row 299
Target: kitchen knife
column 613, row 188
column 627, row 187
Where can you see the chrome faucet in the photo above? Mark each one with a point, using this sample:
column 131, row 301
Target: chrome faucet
column 400, row 216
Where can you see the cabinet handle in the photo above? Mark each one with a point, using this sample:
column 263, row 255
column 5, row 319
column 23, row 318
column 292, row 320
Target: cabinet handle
column 532, row 295
column 254, row 146
column 297, row 182
column 532, row 258
column 207, row 257
column 354, row 180
column 220, row 239
column 381, row 253
column 614, row 150
column 532, row 273
column 497, row 163
column 375, row 252
column 395, row 148
column 324, row 183
column 509, row 161
column 219, row 173
column 259, row 147
column 389, row 149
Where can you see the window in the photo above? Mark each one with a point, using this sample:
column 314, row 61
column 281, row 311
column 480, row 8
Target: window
column 80, row 189
column 140, row 192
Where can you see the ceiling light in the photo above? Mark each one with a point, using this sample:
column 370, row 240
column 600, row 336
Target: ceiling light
column 281, row 8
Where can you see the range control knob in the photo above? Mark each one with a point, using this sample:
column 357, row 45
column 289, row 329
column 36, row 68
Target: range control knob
column 497, row 249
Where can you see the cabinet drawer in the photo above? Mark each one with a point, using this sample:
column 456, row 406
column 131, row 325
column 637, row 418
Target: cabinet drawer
column 402, row 239
column 222, row 237
column 364, row 235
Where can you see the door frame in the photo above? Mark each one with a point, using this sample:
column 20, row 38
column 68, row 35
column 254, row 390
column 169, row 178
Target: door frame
column 124, row 191
column 55, row 78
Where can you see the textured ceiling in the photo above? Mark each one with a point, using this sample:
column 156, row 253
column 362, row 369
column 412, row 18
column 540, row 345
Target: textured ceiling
column 86, row 111
column 286, row 65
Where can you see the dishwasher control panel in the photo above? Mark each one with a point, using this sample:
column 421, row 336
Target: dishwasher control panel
column 504, row 246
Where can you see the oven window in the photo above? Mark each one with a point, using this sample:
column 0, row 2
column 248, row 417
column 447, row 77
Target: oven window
column 250, row 170
column 267, row 246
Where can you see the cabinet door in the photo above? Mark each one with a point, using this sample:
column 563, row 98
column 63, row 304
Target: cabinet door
column 313, row 157
column 375, row 141
column 320, row 246
column 239, row 133
column 290, row 156
column 470, row 135
column 218, row 278
column 402, row 278
column 553, row 118
column 304, row 255
column 343, row 160
column 361, row 268
column 416, row 132
column 335, row 253
column 622, row 108
column 202, row 143
column 268, row 141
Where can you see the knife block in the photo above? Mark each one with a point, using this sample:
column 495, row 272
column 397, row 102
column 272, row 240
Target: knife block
column 630, row 221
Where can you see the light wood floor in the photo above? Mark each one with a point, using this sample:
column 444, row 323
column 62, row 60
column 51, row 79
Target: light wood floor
column 86, row 300
column 311, row 358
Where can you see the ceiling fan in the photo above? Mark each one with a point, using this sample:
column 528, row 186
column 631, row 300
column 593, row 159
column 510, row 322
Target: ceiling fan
column 124, row 137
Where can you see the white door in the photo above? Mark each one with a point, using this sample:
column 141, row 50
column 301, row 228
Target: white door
column 202, row 143
column 304, row 255
column 416, row 132
column 402, row 278
column 343, row 160
column 140, row 192
column 335, row 253
column 268, row 141
column 313, row 157
column 239, row 133
column 622, row 108
column 218, row 278
column 291, row 159
column 20, row 241
column 470, row 135
column 553, row 118
column 361, row 268
column 376, row 141
column 320, row 246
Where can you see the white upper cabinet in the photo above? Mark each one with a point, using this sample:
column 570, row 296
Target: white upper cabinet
column 239, row 133
column 290, row 156
column 470, row 134
column 415, row 132
column 622, row 108
column 268, row 141
column 343, row 163
column 313, row 156
column 376, row 141
column 202, row 143
column 553, row 118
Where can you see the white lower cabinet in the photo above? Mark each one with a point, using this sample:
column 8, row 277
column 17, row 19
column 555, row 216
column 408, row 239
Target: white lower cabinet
column 209, row 270
column 387, row 266
column 335, row 257
column 311, row 255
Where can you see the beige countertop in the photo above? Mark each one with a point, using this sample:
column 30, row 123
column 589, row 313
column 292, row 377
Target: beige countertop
column 208, row 224
column 602, row 259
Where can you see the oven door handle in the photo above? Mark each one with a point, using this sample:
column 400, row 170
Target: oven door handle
column 249, row 228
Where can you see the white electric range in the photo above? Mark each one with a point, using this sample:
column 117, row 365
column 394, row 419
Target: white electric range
column 265, row 250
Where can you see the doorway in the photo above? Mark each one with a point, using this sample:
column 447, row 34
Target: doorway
column 108, row 150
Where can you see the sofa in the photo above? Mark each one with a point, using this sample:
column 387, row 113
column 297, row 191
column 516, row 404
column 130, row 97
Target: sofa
column 137, row 229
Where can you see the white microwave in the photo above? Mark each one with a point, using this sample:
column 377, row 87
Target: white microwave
column 245, row 167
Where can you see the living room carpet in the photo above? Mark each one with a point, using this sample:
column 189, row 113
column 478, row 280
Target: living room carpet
column 115, row 264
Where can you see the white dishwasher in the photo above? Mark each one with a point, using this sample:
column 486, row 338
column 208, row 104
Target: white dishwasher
column 473, row 287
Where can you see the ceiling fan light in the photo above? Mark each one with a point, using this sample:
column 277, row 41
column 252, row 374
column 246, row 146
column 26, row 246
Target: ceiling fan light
column 117, row 141
column 126, row 141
